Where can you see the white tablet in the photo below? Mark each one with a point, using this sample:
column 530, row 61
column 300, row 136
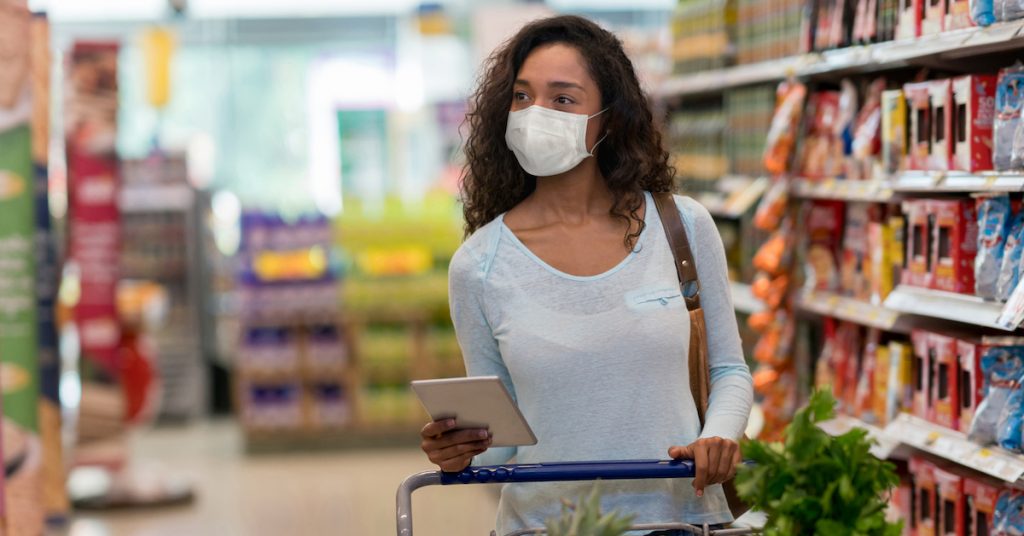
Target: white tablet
column 477, row 402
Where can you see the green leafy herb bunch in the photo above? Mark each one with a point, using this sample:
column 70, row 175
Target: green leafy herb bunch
column 818, row 484
column 585, row 519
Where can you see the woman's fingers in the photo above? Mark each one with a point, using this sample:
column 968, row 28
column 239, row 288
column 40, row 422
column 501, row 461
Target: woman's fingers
column 457, row 464
column 458, row 451
column 727, row 466
column 452, row 438
column 436, row 428
column 700, row 461
column 715, row 460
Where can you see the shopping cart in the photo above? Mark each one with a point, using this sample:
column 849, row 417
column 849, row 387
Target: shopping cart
column 556, row 472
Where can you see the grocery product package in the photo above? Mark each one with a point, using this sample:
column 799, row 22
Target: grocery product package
column 918, row 243
column 899, row 394
column 993, row 226
column 772, row 207
column 19, row 343
column 1008, row 519
column 920, row 115
column 1006, row 135
column 955, row 245
column 1008, row 10
column 974, row 97
column 867, row 136
column 824, row 231
column 1009, row 272
column 894, row 131
column 1002, row 369
column 983, row 12
column 784, row 128
column 940, row 94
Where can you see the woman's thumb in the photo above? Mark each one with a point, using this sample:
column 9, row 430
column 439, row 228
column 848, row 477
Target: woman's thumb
column 680, row 453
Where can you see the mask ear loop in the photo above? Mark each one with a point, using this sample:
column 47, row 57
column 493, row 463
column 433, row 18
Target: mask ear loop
column 591, row 153
column 594, row 148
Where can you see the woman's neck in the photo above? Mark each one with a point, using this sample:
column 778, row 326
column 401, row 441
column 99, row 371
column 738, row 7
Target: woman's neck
column 574, row 196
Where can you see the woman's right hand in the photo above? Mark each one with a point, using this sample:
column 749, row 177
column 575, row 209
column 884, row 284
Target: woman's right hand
column 450, row 449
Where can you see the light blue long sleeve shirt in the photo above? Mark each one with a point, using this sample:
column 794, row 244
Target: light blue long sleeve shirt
column 598, row 365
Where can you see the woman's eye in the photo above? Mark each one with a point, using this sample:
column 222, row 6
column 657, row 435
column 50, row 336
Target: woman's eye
column 520, row 96
column 563, row 100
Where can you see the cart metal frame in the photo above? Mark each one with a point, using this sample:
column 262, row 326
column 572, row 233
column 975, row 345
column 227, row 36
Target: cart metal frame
column 556, row 472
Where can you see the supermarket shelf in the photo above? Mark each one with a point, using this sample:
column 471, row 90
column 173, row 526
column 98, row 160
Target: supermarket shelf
column 954, row 446
column 947, row 46
column 844, row 190
column 730, row 77
column 886, row 443
column 945, row 305
column 743, row 299
column 937, row 181
column 735, row 197
column 852, row 310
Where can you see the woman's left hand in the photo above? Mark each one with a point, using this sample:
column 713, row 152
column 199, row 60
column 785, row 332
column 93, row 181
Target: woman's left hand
column 715, row 459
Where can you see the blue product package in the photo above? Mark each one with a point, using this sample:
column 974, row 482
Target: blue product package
column 993, row 218
column 1006, row 127
column 1001, row 367
column 1009, row 274
column 1012, row 522
column 1009, row 428
column 1002, row 511
column 983, row 12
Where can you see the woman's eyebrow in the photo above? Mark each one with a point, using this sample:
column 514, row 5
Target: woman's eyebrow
column 555, row 84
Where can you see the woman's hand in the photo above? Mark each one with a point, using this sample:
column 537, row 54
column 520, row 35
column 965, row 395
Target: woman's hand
column 715, row 458
column 450, row 449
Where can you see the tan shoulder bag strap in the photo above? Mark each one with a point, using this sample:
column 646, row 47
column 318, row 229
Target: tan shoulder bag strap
column 689, row 285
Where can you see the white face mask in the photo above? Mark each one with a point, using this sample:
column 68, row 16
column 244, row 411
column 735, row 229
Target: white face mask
column 548, row 142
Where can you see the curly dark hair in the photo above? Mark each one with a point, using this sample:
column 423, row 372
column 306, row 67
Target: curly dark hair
column 632, row 158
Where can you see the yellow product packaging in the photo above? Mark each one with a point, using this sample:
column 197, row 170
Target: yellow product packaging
column 880, row 252
column 880, row 387
column 899, row 395
column 894, row 130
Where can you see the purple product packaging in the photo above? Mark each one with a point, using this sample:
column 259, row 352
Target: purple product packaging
column 993, row 219
column 1009, row 273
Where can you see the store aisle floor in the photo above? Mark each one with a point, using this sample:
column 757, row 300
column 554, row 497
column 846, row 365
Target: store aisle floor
column 335, row 493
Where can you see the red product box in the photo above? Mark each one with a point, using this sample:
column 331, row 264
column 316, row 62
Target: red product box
column 925, row 497
column 924, row 372
column 958, row 15
column 919, row 235
column 946, row 381
column 954, row 245
column 982, row 495
column 919, row 108
column 934, row 19
column 974, row 101
column 941, row 101
column 971, row 382
column 951, row 504
column 909, row 25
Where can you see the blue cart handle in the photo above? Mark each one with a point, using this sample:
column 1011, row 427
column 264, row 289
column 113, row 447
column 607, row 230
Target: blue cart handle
column 572, row 471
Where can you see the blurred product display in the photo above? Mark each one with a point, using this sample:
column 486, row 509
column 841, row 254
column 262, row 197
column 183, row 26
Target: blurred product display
column 247, row 214
column 889, row 272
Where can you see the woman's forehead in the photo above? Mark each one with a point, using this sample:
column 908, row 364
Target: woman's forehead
column 555, row 63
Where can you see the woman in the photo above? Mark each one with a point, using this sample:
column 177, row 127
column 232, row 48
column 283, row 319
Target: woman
column 566, row 287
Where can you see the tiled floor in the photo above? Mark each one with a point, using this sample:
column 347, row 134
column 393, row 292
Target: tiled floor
column 340, row 493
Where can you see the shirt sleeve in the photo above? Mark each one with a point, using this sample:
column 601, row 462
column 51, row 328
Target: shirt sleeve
column 476, row 340
column 732, row 392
